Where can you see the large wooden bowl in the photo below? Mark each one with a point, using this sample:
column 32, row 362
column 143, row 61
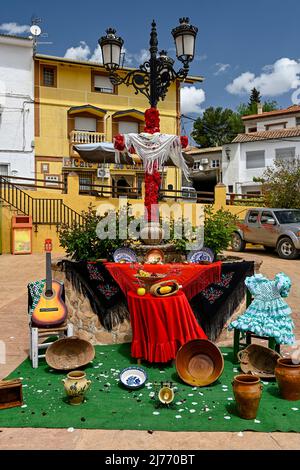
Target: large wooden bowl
column 147, row 282
column 199, row 362
column 69, row 353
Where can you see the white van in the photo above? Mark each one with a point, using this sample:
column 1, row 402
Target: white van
column 188, row 194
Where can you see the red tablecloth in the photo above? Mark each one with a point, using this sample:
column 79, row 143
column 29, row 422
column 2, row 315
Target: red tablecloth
column 193, row 277
column 161, row 325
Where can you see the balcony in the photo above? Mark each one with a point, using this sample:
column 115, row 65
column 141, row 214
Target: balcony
column 85, row 137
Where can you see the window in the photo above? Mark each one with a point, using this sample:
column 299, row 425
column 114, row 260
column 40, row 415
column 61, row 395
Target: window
column 102, row 84
column 255, row 159
column 297, row 121
column 285, row 153
column 45, row 167
column 51, row 180
column 49, row 75
column 3, row 169
column 125, row 127
column 252, row 129
column 275, row 125
column 215, row 163
column 252, row 217
column 265, row 216
column 230, row 188
column 85, row 182
column 196, row 166
column 85, row 124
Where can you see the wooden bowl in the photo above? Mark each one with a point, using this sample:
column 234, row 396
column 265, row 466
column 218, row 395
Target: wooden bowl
column 259, row 361
column 155, row 288
column 147, row 282
column 199, row 362
column 69, row 353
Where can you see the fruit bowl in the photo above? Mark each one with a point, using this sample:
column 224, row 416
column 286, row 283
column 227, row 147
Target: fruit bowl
column 148, row 281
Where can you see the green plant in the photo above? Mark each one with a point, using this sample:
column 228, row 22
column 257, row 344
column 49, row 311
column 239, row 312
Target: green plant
column 218, row 228
column 83, row 243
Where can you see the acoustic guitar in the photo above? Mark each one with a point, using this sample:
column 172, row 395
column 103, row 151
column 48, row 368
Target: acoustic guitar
column 50, row 310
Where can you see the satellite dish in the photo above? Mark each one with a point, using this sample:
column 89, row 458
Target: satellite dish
column 35, row 30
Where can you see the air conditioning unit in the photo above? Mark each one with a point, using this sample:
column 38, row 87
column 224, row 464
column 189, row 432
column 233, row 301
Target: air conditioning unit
column 204, row 161
column 103, row 173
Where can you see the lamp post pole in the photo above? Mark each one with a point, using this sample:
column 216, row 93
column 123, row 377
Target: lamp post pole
column 153, row 65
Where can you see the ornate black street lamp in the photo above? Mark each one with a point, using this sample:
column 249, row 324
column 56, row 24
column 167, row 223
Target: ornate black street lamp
column 154, row 76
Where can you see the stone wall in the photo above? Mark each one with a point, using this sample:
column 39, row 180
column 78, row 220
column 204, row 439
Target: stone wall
column 86, row 322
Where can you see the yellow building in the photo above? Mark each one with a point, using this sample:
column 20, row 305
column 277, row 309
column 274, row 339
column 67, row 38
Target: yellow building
column 75, row 103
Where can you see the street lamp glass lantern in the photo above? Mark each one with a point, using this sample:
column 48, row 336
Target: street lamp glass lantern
column 111, row 46
column 185, row 36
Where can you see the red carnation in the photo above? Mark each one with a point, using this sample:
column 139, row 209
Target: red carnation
column 184, row 141
column 119, row 142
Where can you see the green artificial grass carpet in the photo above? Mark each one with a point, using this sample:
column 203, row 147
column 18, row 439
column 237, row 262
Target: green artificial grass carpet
column 109, row 405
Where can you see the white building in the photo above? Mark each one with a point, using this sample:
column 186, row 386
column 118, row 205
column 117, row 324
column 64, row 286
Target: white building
column 205, row 173
column 268, row 136
column 16, row 106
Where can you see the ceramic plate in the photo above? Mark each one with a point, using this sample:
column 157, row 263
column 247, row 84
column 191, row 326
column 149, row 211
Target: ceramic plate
column 133, row 377
column 154, row 256
column 124, row 255
column 199, row 256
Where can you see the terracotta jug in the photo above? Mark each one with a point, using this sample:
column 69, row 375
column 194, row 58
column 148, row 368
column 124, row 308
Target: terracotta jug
column 247, row 390
column 288, row 378
column 76, row 385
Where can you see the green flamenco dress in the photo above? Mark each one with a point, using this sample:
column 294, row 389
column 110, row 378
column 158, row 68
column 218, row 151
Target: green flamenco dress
column 268, row 314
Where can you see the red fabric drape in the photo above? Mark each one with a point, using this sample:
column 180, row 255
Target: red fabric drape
column 193, row 277
column 161, row 325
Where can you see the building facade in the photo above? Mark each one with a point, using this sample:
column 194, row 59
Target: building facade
column 268, row 137
column 76, row 103
column 16, row 107
column 205, row 173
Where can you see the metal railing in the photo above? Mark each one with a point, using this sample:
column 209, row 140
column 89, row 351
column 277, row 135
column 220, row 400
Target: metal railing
column 44, row 211
column 234, row 199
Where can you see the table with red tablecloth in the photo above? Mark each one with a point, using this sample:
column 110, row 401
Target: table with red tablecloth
column 192, row 277
column 160, row 325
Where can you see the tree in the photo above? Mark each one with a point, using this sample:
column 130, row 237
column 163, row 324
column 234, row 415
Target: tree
column 216, row 127
column 254, row 97
column 281, row 184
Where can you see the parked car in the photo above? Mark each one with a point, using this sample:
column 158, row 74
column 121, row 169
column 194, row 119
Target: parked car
column 188, row 194
column 275, row 229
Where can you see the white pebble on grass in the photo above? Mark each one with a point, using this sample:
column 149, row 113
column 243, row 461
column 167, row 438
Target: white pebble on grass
column 162, row 371
column 194, row 388
column 192, row 411
column 227, row 417
column 181, row 410
column 225, row 354
column 177, row 416
column 24, row 406
column 230, row 398
column 25, row 385
column 151, row 394
column 39, row 391
column 179, row 403
column 201, row 394
column 257, row 421
column 155, row 413
column 190, row 395
column 295, row 409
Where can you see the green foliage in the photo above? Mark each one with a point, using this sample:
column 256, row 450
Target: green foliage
column 254, row 97
column 216, row 127
column 251, row 107
column 281, row 184
column 82, row 242
column 218, row 228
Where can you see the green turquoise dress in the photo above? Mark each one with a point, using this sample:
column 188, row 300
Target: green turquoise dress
column 268, row 314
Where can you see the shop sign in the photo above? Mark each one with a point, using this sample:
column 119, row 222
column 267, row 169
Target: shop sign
column 75, row 162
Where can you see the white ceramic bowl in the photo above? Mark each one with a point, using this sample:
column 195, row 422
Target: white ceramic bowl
column 133, row 377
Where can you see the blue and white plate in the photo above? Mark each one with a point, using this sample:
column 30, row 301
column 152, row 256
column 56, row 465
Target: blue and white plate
column 133, row 377
column 206, row 255
column 124, row 255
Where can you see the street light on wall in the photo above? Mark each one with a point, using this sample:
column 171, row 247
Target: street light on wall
column 154, row 76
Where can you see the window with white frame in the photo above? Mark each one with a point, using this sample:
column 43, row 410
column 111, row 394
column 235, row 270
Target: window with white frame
column 255, row 159
column 4, row 169
column 102, row 84
column 285, row 153
column 51, row 180
column 196, row 166
column 215, row 163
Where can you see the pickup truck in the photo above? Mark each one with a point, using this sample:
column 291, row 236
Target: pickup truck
column 275, row 229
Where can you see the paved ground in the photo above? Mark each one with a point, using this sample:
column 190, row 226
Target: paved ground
column 16, row 272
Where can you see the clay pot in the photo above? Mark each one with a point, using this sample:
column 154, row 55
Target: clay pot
column 247, row 390
column 288, row 378
column 152, row 233
column 76, row 385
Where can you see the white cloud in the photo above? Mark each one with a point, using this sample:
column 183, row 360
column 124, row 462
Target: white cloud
column 14, row 28
column 221, row 68
column 274, row 80
column 81, row 52
column 97, row 55
column 191, row 99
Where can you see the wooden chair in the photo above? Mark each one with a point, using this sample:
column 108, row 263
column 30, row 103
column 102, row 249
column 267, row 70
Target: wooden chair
column 37, row 337
column 243, row 339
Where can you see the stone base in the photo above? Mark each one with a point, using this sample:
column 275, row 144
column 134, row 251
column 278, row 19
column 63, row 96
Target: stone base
column 86, row 323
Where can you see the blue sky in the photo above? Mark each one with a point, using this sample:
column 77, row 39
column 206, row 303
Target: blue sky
column 240, row 43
